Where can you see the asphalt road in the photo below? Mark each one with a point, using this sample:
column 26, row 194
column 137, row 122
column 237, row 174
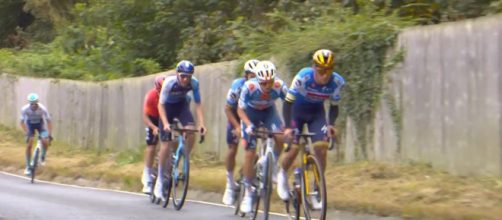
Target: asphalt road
column 19, row 199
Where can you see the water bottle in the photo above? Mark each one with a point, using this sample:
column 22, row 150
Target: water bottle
column 297, row 181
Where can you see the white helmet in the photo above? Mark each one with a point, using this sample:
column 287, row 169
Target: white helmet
column 265, row 70
column 250, row 65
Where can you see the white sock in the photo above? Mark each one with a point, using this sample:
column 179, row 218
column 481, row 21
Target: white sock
column 230, row 178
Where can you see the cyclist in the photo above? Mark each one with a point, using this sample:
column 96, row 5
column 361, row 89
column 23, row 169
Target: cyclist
column 233, row 127
column 151, row 119
column 34, row 117
column 256, row 105
column 173, row 103
column 304, row 104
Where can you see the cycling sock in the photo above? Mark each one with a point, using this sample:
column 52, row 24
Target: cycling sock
column 230, row 177
column 160, row 176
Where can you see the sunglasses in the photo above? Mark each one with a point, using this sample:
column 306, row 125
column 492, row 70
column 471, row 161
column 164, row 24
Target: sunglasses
column 266, row 83
column 185, row 76
column 323, row 70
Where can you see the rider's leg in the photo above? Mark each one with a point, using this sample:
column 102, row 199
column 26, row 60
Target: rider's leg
column 164, row 154
column 319, row 126
column 44, row 135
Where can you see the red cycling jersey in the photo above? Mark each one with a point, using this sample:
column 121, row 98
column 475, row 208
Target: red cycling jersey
column 151, row 103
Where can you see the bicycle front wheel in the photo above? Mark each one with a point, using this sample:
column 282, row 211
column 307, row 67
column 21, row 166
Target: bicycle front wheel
column 266, row 191
column 180, row 174
column 314, row 189
column 34, row 162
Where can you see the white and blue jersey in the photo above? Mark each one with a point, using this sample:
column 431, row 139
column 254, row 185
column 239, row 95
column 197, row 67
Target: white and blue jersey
column 308, row 98
column 260, row 108
column 253, row 97
column 35, row 119
column 172, row 92
column 304, row 89
column 234, row 92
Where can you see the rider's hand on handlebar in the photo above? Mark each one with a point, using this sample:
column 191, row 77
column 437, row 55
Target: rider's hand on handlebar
column 250, row 129
column 331, row 131
column 237, row 132
column 288, row 133
column 202, row 130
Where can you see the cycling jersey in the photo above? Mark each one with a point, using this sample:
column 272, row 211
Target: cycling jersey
column 304, row 89
column 34, row 120
column 232, row 100
column 172, row 91
column 150, row 106
column 253, row 97
column 29, row 116
column 235, row 91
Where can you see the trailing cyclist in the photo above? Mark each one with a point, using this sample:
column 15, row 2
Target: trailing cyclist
column 257, row 105
column 151, row 119
column 304, row 105
column 173, row 103
column 233, row 127
column 35, row 117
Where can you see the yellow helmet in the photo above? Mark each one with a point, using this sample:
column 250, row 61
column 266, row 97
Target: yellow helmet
column 324, row 58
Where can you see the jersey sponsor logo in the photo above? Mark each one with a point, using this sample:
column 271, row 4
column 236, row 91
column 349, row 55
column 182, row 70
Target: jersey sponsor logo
column 251, row 87
column 317, row 95
column 298, row 83
column 234, row 96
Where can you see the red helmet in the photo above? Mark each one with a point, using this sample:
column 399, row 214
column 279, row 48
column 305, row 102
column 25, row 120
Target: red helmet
column 158, row 82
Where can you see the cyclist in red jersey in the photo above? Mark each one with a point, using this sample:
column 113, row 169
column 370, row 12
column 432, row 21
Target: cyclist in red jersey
column 151, row 119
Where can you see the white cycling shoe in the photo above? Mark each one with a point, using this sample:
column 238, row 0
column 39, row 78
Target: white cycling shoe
column 229, row 195
column 247, row 202
column 282, row 185
column 158, row 190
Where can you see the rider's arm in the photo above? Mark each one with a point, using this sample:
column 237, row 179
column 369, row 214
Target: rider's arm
column 243, row 99
column 198, row 101
column 333, row 114
column 287, row 108
column 146, row 119
column 230, row 112
column 47, row 118
column 200, row 114
column 24, row 116
column 160, row 106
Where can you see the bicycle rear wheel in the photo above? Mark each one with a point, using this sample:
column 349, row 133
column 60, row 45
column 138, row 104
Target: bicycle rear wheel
column 34, row 164
column 181, row 176
column 266, row 191
column 314, row 189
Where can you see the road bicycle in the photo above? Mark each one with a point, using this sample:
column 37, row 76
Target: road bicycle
column 261, row 186
column 177, row 182
column 35, row 158
column 309, row 184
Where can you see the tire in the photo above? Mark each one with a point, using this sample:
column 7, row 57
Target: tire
column 180, row 177
column 293, row 205
column 267, row 182
column 239, row 198
column 35, row 163
column 256, row 191
column 314, row 179
column 167, row 190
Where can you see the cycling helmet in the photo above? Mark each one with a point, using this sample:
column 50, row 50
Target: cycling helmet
column 324, row 58
column 185, row 66
column 158, row 82
column 265, row 70
column 250, row 65
column 32, row 97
